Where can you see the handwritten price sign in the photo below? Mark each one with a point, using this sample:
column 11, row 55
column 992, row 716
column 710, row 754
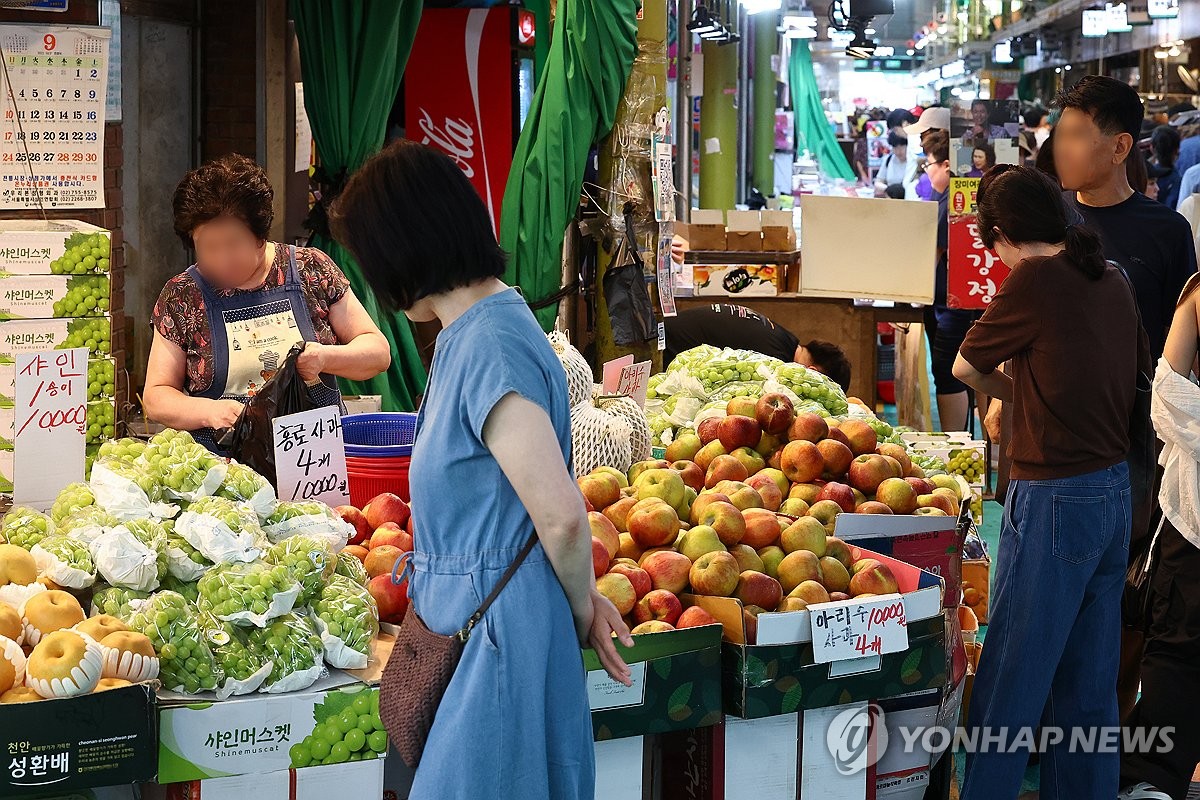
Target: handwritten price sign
column 623, row 377
column 310, row 457
column 51, row 424
column 848, row 629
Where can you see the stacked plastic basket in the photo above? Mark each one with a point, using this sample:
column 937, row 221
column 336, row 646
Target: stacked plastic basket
column 378, row 454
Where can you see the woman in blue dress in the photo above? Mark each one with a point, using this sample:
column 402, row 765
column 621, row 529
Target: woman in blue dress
column 489, row 467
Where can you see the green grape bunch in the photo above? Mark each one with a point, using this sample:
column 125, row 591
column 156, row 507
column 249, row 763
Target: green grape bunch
column 25, row 527
column 348, row 613
column 184, row 562
column 130, row 471
column 293, row 646
column 83, row 254
column 102, row 381
column 234, row 516
column 94, row 333
column 288, row 510
column 187, row 663
column 101, row 421
column 189, row 589
column 93, row 517
column 348, row 728
column 246, row 593
column 348, row 566
column 71, row 500
column 152, row 534
column 117, row 602
column 228, row 643
column 183, row 466
column 309, row 561
column 86, row 296
column 122, row 450
column 967, row 463
column 811, row 385
column 58, row 555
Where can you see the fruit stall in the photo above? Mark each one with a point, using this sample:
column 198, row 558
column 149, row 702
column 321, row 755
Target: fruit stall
column 170, row 623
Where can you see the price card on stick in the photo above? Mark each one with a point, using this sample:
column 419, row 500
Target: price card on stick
column 851, row 630
column 50, row 423
column 310, row 457
column 622, row 376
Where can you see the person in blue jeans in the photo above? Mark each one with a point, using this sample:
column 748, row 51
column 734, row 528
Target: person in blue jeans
column 1066, row 322
column 489, row 467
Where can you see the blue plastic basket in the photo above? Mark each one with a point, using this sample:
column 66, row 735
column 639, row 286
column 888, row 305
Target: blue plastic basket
column 384, row 435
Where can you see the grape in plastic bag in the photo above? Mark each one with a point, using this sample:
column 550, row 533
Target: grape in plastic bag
column 189, row 589
column 295, row 650
column 128, row 490
column 244, row 485
column 308, row 518
column 309, row 560
column 348, row 566
column 124, row 560
column 70, row 501
column 347, row 620
column 129, row 449
column 186, row 470
column 222, row 530
column 87, row 524
column 184, row 562
column 153, row 534
column 25, row 527
column 245, row 670
column 247, row 594
column 173, row 626
column 65, row 561
column 117, row 602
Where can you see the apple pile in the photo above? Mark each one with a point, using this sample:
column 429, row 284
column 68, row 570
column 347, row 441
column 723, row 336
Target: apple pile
column 383, row 532
column 746, row 509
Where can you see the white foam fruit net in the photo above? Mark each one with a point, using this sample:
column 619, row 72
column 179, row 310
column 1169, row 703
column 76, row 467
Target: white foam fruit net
column 627, row 409
column 599, row 440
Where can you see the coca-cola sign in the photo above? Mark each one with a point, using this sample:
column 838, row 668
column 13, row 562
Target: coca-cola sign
column 459, row 97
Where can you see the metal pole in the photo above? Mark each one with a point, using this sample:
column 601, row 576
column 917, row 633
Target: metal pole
column 683, row 116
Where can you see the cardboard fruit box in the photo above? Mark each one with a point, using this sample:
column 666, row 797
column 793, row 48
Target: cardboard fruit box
column 357, row 779
column 707, row 229
column 93, row 740
column 37, row 335
column 43, row 296
column 246, row 735
column 676, row 685
column 933, row 544
column 32, row 247
column 776, row 672
column 737, row 280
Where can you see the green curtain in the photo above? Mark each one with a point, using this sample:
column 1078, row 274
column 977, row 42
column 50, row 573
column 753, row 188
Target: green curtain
column 352, row 56
column 590, row 56
column 812, row 128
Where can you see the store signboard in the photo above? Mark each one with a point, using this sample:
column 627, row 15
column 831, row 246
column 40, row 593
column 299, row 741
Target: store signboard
column 50, row 417
column 1162, row 9
column 52, row 100
column 459, row 94
column 1118, row 18
column 1095, row 23
column 974, row 272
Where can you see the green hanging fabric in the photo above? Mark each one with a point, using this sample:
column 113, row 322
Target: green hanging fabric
column 590, row 56
column 541, row 42
column 812, row 128
column 352, row 57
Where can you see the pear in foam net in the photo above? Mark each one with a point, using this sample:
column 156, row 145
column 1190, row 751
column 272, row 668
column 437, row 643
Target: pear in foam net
column 12, row 664
column 49, row 611
column 130, row 656
column 64, row 663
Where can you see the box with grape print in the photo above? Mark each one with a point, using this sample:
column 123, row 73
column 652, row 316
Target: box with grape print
column 37, row 335
column 42, row 296
column 101, row 423
column 333, row 723
column 102, row 381
column 53, row 247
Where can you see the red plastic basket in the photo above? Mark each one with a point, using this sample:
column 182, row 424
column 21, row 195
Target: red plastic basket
column 371, row 477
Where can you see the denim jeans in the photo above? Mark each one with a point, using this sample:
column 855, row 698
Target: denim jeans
column 1052, row 649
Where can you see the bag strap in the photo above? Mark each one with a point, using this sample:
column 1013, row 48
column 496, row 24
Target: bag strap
column 465, row 634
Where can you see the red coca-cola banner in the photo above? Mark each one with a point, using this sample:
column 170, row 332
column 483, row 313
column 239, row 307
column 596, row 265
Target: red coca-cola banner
column 459, row 94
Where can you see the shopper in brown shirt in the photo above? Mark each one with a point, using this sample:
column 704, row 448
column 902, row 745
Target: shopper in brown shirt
column 1067, row 322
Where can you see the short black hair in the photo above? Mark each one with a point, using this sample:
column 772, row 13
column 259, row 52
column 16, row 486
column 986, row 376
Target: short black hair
column 1034, row 117
column 1112, row 104
column 981, row 102
column 231, row 185
column 1165, row 142
column 897, row 139
column 416, row 225
column 831, row 360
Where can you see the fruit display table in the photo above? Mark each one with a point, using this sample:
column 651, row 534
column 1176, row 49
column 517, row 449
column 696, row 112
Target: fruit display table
column 851, row 327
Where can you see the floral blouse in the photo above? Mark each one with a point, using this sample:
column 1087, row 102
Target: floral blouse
column 181, row 318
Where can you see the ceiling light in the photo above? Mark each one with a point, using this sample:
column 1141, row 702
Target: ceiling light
column 703, row 22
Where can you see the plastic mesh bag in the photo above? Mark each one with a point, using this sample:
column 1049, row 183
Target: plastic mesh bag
column 599, row 440
column 579, row 374
column 186, row 662
column 627, row 409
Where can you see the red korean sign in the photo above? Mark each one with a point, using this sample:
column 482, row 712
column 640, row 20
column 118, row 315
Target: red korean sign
column 459, row 93
column 975, row 272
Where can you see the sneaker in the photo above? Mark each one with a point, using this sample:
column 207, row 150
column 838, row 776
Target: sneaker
column 1142, row 791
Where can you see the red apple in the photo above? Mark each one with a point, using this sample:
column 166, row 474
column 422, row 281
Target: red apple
column 872, row 507
column 808, row 427
column 668, row 570
column 618, row 513
column 898, row 452
column 862, row 437
column 653, row 523
column 393, row 534
column 600, row 557
column 708, row 453
column 387, row 507
column 707, row 430
column 768, row 489
column 937, row 501
column 757, row 589
column 600, row 489
column 837, row 435
column 774, row 413
column 738, row 431
column 605, row 531
column 724, row 468
column 741, row 407
column 638, row 578
column 715, row 574
column 694, row 617
column 837, row 457
column 618, row 590
column 659, row 605
column 362, row 528
column 653, row 626
column 839, row 493
column 802, row 461
column 897, row 495
column 702, row 501
column 762, row 528
column 691, row 474
column 723, row 517
column 897, row 468
column 920, row 485
column 868, row 471
column 391, row 598
column 684, row 447
column 875, row 578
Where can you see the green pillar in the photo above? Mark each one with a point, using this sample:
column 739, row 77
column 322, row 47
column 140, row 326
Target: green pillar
column 763, row 122
column 718, row 127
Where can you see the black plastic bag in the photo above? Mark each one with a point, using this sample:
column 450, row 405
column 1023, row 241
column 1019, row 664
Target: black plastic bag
column 629, row 308
column 252, row 438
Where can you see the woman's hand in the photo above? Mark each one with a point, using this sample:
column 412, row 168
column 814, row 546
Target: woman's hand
column 991, row 421
column 310, row 365
column 597, row 633
column 224, row 414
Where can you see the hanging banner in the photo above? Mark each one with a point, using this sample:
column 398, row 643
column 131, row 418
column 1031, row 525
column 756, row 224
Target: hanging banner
column 975, row 272
column 52, row 90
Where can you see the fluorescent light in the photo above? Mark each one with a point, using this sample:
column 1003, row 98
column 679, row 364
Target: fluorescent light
column 1161, row 54
column 761, row 6
column 1174, row 52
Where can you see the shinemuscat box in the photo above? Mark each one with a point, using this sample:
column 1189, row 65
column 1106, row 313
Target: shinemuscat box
column 97, row 739
column 29, row 247
column 676, row 685
column 36, row 335
column 244, row 735
column 778, row 674
column 358, row 779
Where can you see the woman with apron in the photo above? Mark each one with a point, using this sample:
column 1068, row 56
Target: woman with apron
column 224, row 326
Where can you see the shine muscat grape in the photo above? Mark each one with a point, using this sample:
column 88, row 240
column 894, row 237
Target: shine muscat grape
column 25, row 527
column 291, row 643
column 116, row 601
column 173, row 626
column 241, row 483
column 348, row 729
column 349, row 613
column 229, row 589
column 180, row 463
column 85, row 297
column 307, row 560
column 70, row 501
column 228, row 644
column 83, row 254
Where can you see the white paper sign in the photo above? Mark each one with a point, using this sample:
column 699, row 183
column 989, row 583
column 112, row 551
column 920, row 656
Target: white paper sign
column 310, row 457
column 852, row 629
column 50, row 424
column 665, row 270
column 52, row 97
column 605, row 693
column 304, row 137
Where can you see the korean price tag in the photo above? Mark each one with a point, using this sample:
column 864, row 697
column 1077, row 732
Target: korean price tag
column 310, row 457
column 623, row 377
column 50, row 424
column 848, row 629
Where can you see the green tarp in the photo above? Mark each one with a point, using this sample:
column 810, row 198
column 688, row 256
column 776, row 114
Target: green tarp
column 813, row 131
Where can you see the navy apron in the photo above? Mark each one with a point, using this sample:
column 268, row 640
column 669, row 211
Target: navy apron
column 251, row 334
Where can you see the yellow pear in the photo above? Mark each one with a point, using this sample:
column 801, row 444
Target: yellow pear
column 10, row 623
column 20, row 694
column 130, row 656
column 16, row 566
column 101, row 626
column 64, row 664
column 111, row 683
column 49, row 611
column 12, row 664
